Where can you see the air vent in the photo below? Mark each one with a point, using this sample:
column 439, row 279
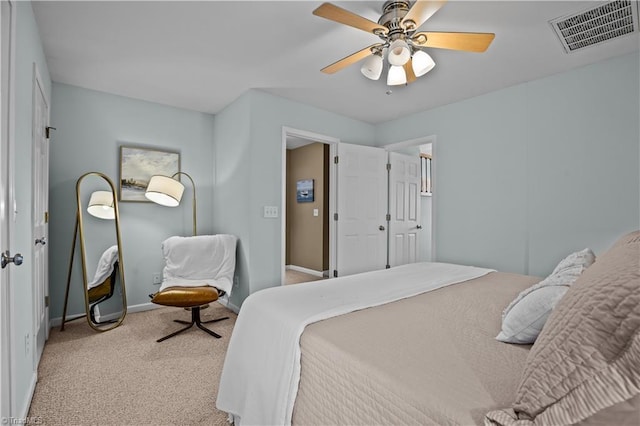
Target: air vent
column 605, row 22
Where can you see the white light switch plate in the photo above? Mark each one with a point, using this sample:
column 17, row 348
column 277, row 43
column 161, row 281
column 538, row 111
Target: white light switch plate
column 315, row 212
column 270, row 211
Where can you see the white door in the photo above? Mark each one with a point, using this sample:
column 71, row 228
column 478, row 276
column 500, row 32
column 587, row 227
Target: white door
column 6, row 197
column 40, row 219
column 361, row 208
column 404, row 208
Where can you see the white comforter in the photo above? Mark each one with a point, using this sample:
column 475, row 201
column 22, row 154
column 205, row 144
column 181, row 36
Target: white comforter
column 261, row 372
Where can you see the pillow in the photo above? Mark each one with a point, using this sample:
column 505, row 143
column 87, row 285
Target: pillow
column 525, row 316
column 586, row 358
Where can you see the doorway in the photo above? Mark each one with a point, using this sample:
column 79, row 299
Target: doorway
column 420, row 148
column 308, row 251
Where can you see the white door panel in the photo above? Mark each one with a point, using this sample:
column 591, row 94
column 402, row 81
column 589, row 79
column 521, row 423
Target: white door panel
column 404, row 209
column 362, row 202
column 40, row 208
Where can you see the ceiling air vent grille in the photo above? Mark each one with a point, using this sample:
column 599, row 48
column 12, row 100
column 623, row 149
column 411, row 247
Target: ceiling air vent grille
column 598, row 24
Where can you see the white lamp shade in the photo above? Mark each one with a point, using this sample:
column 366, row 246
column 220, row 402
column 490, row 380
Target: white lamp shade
column 164, row 190
column 422, row 63
column 396, row 76
column 101, row 205
column 399, row 52
column 372, row 67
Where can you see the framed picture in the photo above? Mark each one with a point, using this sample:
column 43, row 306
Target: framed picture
column 137, row 165
column 304, row 191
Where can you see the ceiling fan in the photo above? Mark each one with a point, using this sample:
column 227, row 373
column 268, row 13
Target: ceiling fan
column 401, row 43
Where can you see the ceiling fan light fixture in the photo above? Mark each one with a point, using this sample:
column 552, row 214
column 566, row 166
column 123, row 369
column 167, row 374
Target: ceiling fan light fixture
column 372, row 67
column 399, row 52
column 396, row 76
column 422, row 63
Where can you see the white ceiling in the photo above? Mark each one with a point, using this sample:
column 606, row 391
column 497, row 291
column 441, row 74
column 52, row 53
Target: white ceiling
column 203, row 55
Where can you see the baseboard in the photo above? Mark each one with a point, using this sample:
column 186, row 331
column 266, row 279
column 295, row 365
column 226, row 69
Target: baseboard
column 26, row 404
column 225, row 302
column 56, row 322
column 305, row 270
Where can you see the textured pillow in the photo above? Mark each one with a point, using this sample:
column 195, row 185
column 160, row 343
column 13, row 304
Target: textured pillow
column 525, row 316
column 587, row 357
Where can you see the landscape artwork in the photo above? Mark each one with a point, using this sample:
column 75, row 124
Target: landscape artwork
column 137, row 165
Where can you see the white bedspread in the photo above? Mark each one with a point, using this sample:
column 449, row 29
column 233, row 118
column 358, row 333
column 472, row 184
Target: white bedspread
column 261, row 372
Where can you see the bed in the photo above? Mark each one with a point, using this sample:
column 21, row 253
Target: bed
column 427, row 355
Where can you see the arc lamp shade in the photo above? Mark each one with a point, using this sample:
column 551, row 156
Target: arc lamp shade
column 164, row 190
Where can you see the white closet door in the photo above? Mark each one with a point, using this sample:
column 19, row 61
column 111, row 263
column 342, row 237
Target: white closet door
column 362, row 207
column 404, row 209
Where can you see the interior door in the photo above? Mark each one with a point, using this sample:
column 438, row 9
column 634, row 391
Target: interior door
column 40, row 219
column 361, row 208
column 404, row 209
column 6, row 37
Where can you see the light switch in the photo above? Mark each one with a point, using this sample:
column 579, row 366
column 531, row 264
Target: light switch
column 315, row 212
column 270, row 211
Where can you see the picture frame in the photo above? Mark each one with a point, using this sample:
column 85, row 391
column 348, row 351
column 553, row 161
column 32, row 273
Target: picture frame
column 138, row 164
column 304, row 191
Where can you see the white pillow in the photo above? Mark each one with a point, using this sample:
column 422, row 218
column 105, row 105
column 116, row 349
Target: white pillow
column 525, row 316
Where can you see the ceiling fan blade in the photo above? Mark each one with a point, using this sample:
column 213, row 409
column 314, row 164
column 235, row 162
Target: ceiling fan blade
column 351, row 59
column 343, row 16
column 421, row 11
column 408, row 69
column 470, row 42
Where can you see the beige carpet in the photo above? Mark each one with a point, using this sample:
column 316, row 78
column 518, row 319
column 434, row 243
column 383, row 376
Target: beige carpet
column 297, row 277
column 123, row 377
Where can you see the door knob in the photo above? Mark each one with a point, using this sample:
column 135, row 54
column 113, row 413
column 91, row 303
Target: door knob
column 381, row 228
column 419, row 226
column 42, row 240
column 6, row 259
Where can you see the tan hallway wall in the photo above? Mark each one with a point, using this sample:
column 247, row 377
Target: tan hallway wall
column 307, row 235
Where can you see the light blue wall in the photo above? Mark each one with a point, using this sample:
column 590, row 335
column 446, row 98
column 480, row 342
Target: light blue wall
column 91, row 127
column 248, row 156
column 527, row 174
column 28, row 51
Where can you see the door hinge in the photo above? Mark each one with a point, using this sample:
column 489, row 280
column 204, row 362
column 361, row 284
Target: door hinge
column 48, row 131
column 335, row 216
column 388, row 166
column 335, row 273
column 46, row 301
column 388, row 217
column 46, row 217
column 335, row 160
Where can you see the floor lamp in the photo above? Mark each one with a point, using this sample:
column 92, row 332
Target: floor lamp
column 167, row 191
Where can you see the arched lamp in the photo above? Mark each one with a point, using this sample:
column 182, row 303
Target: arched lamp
column 167, row 191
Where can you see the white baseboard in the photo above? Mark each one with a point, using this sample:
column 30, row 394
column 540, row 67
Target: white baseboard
column 23, row 412
column 56, row 322
column 304, row 270
column 224, row 301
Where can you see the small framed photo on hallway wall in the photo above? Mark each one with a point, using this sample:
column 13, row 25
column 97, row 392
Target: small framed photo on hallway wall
column 304, row 191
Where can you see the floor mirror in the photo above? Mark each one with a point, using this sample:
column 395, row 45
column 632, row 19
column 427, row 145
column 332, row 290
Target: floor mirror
column 97, row 228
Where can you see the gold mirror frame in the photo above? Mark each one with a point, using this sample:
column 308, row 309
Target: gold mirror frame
column 79, row 230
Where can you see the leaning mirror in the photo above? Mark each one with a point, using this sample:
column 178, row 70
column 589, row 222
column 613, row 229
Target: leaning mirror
column 98, row 231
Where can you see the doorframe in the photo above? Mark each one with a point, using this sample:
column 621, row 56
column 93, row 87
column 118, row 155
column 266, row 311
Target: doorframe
column 333, row 144
column 434, row 197
column 7, row 335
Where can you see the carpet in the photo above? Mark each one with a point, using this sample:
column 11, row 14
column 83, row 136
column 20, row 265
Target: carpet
column 124, row 377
